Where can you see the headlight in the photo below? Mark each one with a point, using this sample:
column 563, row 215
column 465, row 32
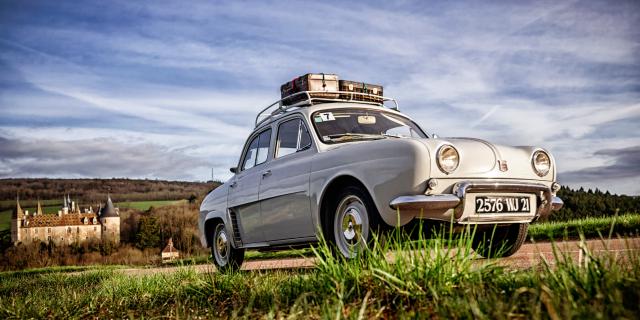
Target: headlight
column 541, row 163
column 448, row 158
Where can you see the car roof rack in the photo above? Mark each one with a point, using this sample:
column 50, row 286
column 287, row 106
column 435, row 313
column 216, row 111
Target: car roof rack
column 346, row 96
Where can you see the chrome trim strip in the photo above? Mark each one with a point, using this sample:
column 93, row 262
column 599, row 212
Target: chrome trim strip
column 495, row 219
column 427, row 202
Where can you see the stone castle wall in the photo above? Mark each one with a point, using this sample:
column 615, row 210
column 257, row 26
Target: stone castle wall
column 62, row 235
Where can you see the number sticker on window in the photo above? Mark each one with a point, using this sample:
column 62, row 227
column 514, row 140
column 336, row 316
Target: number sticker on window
column 327, row 116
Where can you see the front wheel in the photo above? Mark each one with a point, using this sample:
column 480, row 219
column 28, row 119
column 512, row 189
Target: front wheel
column 499, row 241
column 225, row 256
column 353, row 220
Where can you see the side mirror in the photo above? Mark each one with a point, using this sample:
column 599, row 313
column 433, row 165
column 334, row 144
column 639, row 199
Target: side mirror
column 435, row 136
column 233, row 169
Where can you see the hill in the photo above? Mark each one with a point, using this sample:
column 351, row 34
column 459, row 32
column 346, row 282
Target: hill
column 95, row 190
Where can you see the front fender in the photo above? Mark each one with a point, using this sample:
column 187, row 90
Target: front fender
column 387, row 169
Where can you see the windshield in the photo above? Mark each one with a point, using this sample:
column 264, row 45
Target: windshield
column 343, row 125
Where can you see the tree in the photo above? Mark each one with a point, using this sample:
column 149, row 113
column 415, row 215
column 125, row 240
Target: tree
column 148, row 235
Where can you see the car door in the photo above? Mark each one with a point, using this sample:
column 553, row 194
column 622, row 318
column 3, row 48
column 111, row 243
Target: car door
column 244, row 188
column 284, row 190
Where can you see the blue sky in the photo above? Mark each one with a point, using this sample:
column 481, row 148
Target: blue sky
column 169, row 90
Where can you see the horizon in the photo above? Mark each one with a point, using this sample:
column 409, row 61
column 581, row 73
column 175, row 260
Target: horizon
column 169, row 91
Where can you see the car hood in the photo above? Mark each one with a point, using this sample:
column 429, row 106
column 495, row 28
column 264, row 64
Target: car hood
column 481, row 159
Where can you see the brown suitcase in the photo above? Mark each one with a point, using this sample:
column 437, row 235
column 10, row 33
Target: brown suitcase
column 310, row 82
column 360, row 87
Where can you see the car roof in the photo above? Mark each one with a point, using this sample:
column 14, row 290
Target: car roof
column 309, row 109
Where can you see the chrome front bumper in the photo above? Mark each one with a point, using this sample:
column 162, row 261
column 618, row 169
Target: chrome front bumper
column 450, row 207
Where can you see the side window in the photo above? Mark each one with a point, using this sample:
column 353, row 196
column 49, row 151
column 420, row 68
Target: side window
column 250, row 157
column 258, row 150
column 263, row 147
column 292, row 137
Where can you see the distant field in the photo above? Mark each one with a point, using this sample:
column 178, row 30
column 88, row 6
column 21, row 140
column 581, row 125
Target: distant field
column 145, row 205
column 5, row 216
column 5, row 220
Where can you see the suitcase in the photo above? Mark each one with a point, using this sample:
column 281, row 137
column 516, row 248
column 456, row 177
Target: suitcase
column 360, row 87
column 310, row 82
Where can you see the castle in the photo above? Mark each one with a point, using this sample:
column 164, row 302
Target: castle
column 69, row 226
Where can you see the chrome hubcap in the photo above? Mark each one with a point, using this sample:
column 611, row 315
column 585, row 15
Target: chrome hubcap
column 351, row 225
column 221, row 245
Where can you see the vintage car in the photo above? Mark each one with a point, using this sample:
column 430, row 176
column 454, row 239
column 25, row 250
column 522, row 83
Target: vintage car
column 343, row 168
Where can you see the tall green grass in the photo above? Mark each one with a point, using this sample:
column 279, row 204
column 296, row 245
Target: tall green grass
column 394, row 278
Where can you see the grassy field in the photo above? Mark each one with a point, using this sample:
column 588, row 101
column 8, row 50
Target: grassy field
column 145, row 205
column 425, row 280
column 5, row 216
column 623, row 225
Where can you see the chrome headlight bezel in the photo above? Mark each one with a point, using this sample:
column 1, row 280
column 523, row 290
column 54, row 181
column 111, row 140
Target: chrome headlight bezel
column 541, row 163
column 448, row 151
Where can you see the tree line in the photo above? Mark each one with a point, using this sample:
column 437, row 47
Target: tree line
column 581, row 203
column 95, row 190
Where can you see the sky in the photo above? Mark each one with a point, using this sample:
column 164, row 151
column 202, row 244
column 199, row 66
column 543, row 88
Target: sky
column 170, row 89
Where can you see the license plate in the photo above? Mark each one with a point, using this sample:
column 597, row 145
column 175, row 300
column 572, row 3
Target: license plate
column 504, row 204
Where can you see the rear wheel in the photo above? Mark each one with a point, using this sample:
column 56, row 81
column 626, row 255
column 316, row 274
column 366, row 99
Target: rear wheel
column 225, row 256
column 499, row 241
column 352, row 218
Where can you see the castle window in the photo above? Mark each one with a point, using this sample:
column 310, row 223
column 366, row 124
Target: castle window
column 104, row 228
column 95, row 228
column 78, row 229
column 49, row 237
column 69, row 230
column 49, row 231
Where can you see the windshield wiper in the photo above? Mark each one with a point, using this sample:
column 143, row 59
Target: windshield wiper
column 353, row 136
column 393, row 135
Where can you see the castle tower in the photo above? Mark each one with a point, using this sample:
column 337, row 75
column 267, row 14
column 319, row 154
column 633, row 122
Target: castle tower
column 65, row 207
column 76, row 208
column 16, row 222
column 110, row 221
column 39, row 210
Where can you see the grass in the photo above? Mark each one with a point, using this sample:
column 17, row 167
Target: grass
column 5, row 220
column 624, row 225
column 145, row 205
column 424, row 279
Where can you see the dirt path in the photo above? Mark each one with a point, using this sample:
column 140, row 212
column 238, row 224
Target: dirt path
column 529, row 255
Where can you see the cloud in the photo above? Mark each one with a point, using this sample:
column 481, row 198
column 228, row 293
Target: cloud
column 560, row 75
column 622, row 164
column 93, row 158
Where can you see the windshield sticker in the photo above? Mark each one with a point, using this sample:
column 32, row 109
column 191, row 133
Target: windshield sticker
column 317, row 119
column 327, row 116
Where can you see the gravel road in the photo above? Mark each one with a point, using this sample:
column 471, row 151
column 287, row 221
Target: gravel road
column 529, row 255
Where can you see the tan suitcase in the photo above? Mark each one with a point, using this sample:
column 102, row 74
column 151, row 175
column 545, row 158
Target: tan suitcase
column 328, row 83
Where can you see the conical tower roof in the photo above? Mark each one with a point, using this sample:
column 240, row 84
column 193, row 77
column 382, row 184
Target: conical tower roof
column 39, row 210
column 109, row 210
column 17, row 212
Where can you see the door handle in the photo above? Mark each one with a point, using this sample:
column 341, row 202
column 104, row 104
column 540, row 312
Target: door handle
column 233, row 184
column 266, row 173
